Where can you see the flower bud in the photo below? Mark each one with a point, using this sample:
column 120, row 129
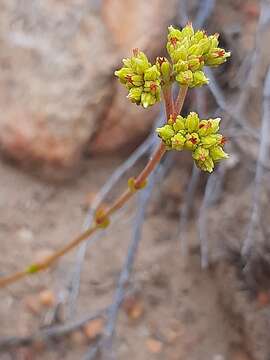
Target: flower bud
column 192, row 141
column 178, row 141
column 181, row 66
column 199, row 79
column 194, row 64
column 214, row 125
column 216, row 56
column 185, row 78
column 192, row 122
column 199, row 35
column 137, row 80
column 135, row 94
column 147, row 99
column 165, row 68
column 188, row 30
column 179, row 123
column 217, row 153
column 151, row 73
column 166, row 132
column 210, row 140
column 200, row 153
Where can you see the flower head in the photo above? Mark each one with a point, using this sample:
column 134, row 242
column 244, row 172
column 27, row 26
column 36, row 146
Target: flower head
column 190, row 51
column 141, row 78
column 198, row 136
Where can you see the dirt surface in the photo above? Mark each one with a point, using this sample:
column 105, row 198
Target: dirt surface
column 179, row 315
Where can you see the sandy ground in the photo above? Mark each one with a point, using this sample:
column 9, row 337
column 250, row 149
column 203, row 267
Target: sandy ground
column 180, row 315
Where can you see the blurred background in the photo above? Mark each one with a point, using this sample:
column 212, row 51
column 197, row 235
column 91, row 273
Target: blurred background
column 183, row 272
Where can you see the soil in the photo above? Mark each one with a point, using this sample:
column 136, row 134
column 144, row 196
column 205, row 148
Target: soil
column 180, row 314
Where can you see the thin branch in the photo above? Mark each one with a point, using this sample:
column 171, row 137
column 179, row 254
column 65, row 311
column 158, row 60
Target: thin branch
column 212, row 191
column 180, row 99
column 126, row 271
column 53, row 332
column 263, row 156
column 74, row 282
column 186, row 207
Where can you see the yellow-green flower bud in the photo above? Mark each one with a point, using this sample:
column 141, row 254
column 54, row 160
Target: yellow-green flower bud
column 178, row 141
column 147, row 99
column 135, row 94
column 200, row 153
column 195, row 63
column 188, row 30
column 208, row 127
column 185, row 78
column 152, row 73
column 181, row 66
column 174, row 33
column 217, row 153
column 192, row 122
column 216, row 56
column 137, row 80
column 141, row 79
column 214, row 125
column 198, row 36
column 192, row 141
column 166, row 132
column 211, row 140
column 202, row 159
column 179, row 123
column 199, row 79
column 206, row 165
column 165, row 69
column 214, row 40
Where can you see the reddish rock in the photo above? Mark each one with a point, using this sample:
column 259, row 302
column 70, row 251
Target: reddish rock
column 57, row 88
column 55, row 80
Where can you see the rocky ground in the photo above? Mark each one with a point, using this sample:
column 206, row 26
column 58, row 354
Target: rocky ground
column 175, row 311
column 65, row 126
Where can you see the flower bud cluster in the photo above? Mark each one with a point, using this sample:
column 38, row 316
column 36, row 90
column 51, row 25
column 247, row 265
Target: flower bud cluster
column 141, row 79
column 199, row 136
column 190, row 51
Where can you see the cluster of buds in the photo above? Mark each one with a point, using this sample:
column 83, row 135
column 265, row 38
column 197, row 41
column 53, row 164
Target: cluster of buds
column 141, row 78
column 199, row 136
column 190, row 51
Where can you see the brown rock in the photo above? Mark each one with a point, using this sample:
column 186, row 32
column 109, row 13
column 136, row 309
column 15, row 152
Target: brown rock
column 154, row 346
column 47, row 298
column 93, row 328
column 133, row 307
column 55, row 79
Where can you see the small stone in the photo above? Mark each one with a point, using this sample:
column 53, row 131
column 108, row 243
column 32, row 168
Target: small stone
column 133, row 307
column 263, row 298
column 154, row 346
column 47, row 298
column 93, row 328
